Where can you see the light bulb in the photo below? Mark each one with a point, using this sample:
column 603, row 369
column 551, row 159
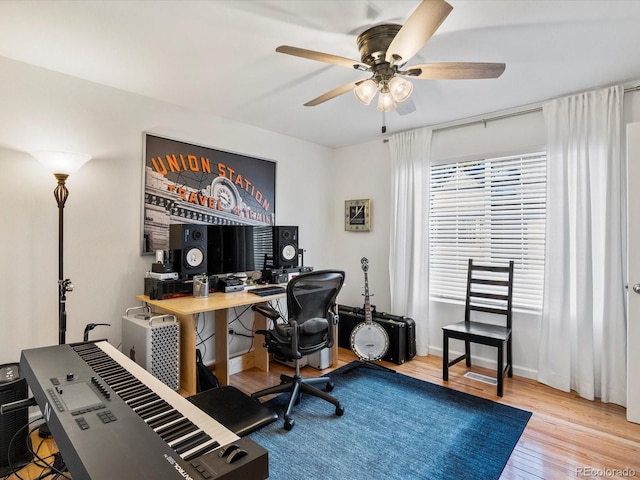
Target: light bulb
column 366, row 91
column 400, row 89
column 386, row 103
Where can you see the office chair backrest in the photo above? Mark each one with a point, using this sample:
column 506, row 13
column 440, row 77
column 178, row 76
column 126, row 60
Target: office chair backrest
column 489, row 290
column 310, row 296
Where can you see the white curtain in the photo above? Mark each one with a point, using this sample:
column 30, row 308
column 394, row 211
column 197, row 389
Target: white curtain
column 408, row 252
column 583, row 334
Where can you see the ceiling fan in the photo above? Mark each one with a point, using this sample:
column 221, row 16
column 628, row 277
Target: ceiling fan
column 385, row 49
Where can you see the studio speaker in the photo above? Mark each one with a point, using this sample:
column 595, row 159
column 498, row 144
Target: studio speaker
column 188, row 246
column 13, row 426
column 285, row 246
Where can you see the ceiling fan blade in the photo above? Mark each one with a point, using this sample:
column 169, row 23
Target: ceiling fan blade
column 333, row 93
column 417, row 30
column 322, row 57
column 455, row 70
column 406, row 107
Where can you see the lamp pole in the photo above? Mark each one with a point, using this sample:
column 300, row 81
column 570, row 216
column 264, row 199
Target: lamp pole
column 61, row 164
column 61, row 193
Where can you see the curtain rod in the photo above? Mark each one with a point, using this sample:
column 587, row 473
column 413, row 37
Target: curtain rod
column 509, row 115
column 484, row 121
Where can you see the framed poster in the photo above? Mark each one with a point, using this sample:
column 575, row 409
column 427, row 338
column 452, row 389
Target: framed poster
column 188, row 183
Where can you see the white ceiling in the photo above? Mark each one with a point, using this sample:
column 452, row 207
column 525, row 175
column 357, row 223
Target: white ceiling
column 219, row 56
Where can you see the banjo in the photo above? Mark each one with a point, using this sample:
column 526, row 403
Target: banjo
column 369, row 340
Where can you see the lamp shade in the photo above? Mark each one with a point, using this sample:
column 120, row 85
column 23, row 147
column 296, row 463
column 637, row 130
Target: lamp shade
column 61, row 162
column 366, row 91
column 400, row 89
column 386, row 103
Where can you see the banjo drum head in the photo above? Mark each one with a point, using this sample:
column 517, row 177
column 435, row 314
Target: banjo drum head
column 369, row 341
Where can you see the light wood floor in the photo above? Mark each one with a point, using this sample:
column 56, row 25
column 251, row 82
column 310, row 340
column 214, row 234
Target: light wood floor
column 567, row 436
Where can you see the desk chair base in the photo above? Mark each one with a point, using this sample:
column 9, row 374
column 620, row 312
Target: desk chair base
column 368, row 363
column 297, row 386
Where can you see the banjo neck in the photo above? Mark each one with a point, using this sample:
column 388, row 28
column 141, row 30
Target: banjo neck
column 367, row 302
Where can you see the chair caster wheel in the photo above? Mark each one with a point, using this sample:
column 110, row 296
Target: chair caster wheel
column 288, row 424
column 339, row 410
column 328, row 387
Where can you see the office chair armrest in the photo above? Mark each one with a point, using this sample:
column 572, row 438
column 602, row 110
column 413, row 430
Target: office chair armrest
column 267, row 311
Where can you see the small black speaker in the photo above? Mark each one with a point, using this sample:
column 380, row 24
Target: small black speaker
column 188, row 247
column 13, row 425
column 285, row 246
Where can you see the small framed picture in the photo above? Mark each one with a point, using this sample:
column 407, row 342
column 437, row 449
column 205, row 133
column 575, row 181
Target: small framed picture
column 357, row 215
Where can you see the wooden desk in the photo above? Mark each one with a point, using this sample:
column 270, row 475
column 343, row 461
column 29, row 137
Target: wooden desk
column 186, row 309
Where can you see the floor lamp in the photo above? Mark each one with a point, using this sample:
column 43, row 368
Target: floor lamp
column 61, row 164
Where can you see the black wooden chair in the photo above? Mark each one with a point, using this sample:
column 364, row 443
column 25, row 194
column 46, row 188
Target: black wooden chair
column 489, row 290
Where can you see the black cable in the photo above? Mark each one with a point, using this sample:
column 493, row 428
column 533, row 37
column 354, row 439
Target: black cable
column 14, row 470
column 199, row 334
column 202, row 341
column 53, row 469
column 30, row 446
column 242, row 335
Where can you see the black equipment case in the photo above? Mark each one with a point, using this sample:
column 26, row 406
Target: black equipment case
column 401, row 331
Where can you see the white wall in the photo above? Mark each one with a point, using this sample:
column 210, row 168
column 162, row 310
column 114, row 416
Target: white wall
column 45, row 110
column 363, row 177
column 361, row 172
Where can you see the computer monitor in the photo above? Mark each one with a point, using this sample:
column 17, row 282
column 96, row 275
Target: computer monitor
column 230, row 249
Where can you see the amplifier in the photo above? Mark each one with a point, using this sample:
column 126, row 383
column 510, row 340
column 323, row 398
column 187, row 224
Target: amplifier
column 152, row 340
column 14, row 451
column 157, row 289
column 275, row 275
column 283, row 275
column 350, row 317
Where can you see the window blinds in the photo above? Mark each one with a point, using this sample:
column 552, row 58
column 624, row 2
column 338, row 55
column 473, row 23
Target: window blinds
column 492, row 211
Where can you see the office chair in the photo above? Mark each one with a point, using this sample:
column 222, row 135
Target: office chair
column 308, row 329
column 489, row 290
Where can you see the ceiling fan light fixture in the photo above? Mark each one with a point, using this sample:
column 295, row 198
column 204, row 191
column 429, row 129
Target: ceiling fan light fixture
column 386, row 103
column 400, row 89
column 366, row 91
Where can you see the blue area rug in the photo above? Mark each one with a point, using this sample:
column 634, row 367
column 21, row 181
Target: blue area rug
column 394, row 427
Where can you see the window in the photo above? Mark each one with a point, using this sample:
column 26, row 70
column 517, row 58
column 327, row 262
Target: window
column 492, row 211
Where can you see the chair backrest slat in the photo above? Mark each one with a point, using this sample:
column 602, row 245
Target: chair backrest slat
column 497, row 311
column 493, row 296
column 485, row 281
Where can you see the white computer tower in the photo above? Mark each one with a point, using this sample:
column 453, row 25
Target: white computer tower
column 320, row 359
column 152, row 340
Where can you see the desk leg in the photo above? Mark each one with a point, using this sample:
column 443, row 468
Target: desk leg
column 188, row 379
column 334, row 348
column 222, row 346
column 260, row 354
